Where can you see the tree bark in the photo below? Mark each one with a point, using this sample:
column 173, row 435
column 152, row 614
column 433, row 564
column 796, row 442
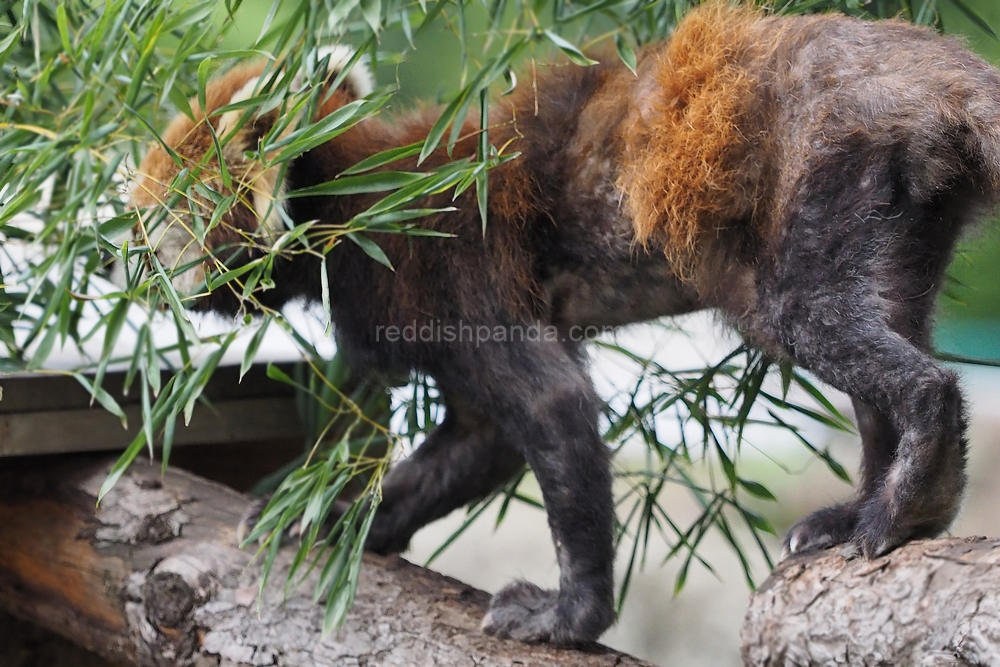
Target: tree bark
column 930, row 603
column 153, row 577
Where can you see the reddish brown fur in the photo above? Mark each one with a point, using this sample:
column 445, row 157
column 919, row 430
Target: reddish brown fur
column 189, row 138
column 418, row 262
column 682, row 136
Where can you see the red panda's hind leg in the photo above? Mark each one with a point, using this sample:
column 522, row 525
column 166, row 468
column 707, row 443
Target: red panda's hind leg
column 849, row 297
column 461, row 461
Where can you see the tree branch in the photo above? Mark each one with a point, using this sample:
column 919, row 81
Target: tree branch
column 930, row 603
column 153, row 577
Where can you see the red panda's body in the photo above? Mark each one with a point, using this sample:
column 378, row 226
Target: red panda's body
column 808, row 177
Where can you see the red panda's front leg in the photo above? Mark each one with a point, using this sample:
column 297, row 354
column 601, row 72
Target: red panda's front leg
column 543, row 402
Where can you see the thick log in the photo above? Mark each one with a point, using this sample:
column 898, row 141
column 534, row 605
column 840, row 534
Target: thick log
column 153, row 577
column 930, row 603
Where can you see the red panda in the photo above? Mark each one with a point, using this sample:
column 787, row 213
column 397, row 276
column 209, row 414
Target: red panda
column 808, row 177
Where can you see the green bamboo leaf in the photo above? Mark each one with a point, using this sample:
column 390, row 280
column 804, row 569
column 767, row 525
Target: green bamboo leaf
column 582, row 12
column 444, row 121
column 138, row 357
column 173, row 301
column 573, row 53
column 113, row 327
column 122, row 464
column 454, row 114
column 44, row 349
column 383, row 158
column 7, row 45
column 372, row 11
column 147, row 418
column 352, row 185
column 388, row 222
column 63, row 26
column 317, row 134
column 843, row 423
column 483, row 150
column 217, row 280
column 152, row 369
column 756, row 489
column 340, row 12
column 430, row 14
column 276, row 373
column 24, row 201
column 371, row 249
column 324, row 281
column 757, row 521
column 196, row 384
column 432, row 185
column 251, row 352
column 626, row 53
column 179, row 100
column 139, row 73
column 975, row 17
column 203, row 69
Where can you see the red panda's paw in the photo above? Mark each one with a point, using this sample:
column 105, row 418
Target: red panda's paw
column 882, row 526
column 828, row 527
column 249, row 520
column 527, row 613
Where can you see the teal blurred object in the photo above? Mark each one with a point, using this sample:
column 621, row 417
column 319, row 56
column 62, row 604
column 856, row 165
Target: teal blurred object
column 975, row 338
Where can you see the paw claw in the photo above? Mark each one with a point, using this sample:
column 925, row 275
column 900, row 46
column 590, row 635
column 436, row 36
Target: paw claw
column 249, row 519
column 487, row 624
column 821, row 530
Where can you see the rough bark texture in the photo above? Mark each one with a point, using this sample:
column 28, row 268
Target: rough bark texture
column 931, row 603
column 153, row 577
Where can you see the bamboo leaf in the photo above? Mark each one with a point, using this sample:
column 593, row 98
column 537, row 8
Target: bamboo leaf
column 371, row 249
column 352, row 185
column 106, row 400
column 253, row 346
column 975, row 17
column 383, row 158
column 626, row 53
column 756, row 489
column 372, row 11
column 573, row 53
column 122, row 464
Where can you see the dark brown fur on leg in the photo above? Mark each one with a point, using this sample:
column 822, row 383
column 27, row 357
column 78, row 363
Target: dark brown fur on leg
column 461, row 461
